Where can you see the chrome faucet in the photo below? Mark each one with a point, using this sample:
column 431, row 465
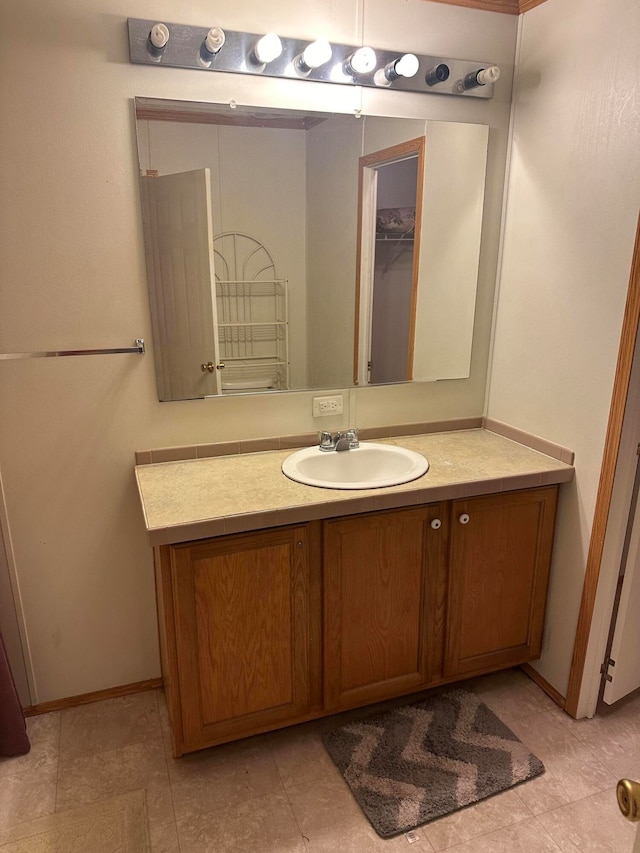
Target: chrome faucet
column 346, row 440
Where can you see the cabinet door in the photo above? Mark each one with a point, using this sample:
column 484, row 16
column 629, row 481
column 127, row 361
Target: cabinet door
column 384, row 597
column 500, row 556
column 241, row 626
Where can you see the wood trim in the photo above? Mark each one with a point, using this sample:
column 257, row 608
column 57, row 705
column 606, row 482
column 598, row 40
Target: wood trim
column 376, row 160
column 543, row 684
column 525, row 5
column 628, row 337
column 186, row 115
column 507, row 7
column 96, row 696
column 167, row 641
column 314, row 532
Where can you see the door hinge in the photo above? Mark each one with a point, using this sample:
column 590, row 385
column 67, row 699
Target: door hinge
column 604, row 669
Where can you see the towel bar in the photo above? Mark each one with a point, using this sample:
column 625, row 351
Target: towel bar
column 138, row 347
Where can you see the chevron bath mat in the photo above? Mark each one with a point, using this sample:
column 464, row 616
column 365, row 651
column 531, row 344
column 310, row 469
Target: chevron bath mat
column 422, row 761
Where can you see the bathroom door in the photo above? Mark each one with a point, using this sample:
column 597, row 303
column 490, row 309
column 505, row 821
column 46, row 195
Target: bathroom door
column 9, row 623
column 178, row 236
column 622, row 548
column 625, row 645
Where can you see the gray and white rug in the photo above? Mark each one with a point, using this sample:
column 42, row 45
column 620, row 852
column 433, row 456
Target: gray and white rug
column 421, row 761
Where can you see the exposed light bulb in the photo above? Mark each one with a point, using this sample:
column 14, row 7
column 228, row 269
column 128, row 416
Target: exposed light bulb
column 363, row 61
column 211, row 46
column 406, row 66
column 482, row 77
column 313, row 56
column 267, row 48
column 214, row 40
column 158, row 37
column 488, row 75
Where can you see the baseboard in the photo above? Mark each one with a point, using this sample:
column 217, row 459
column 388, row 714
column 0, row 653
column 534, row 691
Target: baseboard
column 96, row 696
column 534, row 675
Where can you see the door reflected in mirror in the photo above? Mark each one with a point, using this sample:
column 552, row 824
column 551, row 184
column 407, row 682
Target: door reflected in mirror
column 291, row 250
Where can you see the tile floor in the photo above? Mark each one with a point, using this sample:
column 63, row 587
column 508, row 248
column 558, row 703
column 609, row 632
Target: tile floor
column 280, row 792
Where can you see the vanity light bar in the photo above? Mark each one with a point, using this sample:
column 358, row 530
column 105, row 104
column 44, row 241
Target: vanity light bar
column 270, row 55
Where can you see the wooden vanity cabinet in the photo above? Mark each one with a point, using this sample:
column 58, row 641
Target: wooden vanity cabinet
column 499, row 561
column 264, row 629
column 384, row 604
column 237, row 652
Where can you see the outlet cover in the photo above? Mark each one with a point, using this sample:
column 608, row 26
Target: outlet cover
column 325, row 406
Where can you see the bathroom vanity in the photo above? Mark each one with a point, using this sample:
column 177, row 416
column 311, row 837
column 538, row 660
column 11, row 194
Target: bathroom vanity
column 280, row 602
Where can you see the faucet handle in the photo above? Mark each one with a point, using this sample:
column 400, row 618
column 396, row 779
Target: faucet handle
column 326, row 441
column 352, row 435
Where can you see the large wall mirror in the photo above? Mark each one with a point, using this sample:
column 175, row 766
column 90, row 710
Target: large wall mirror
column 291, row 250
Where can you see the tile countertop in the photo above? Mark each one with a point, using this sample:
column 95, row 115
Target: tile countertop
column 199, row 498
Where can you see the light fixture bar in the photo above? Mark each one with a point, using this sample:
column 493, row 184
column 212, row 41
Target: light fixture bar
column 236, row 55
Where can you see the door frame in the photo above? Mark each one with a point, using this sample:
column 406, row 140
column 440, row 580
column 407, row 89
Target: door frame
column 15, row 630
column 626, row 352
column 365, row 249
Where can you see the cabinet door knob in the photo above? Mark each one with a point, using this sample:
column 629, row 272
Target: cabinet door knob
column 436, row 524
column 464, row 518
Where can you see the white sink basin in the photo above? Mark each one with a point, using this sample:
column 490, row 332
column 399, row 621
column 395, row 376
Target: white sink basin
column 369, row 466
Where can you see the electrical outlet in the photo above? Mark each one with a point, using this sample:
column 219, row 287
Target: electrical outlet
column 324, row 406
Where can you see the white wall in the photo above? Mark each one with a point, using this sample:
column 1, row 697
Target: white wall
column 332, row 183
column 73, row 276
column 574, row 188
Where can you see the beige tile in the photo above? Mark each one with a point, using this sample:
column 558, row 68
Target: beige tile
column 545, row 735
column 44, row 735
column 511, row 695
column 109, row 724
column 167, row 730
column 592, row 825
column 222, row 777
column 89, row 778
column 164, row 838
column 487, row 816
column 572, row 772
column 331, row 820
column 529, row 836
column 613, row 738
column 265, row 824
column 111, row 826
column 566, row 780
column 300, row 755
column 26, row 796
column 163, row 713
